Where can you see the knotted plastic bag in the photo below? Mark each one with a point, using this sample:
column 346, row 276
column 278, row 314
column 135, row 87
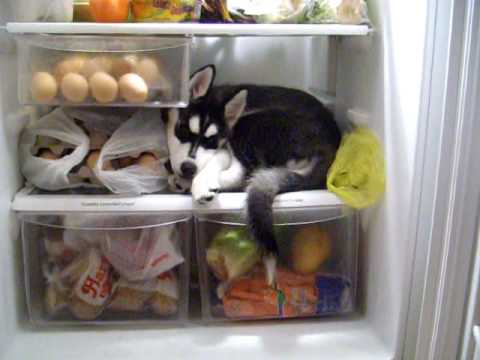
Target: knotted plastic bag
column 143, row 132
column 43, row 10
column 357, row 175
column 52, row 174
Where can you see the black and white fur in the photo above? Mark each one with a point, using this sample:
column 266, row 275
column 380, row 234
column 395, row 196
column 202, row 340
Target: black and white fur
column 271, row 139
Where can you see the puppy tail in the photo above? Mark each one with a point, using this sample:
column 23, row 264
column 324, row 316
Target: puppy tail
column 263, row 186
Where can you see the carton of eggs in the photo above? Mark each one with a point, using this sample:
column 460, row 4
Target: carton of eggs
column 100, row 79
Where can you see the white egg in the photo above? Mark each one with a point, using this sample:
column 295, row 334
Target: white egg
column 133, row 88
column 104, row 87
column 74, row 87
column 44, row 87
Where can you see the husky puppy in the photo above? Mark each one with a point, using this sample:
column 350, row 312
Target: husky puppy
column 267, row 138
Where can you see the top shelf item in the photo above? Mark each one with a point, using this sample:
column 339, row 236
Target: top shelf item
column 215, row 16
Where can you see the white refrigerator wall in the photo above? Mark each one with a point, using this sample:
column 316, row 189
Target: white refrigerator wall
column 380, row 78
column 11, row 280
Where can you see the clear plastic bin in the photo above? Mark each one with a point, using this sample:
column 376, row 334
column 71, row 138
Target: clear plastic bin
column 103, row 70
column 106, row 268
column 235, row 288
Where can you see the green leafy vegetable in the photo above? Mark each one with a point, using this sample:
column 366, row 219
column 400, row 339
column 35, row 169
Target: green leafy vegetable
column 319, row 11
column 232, row 253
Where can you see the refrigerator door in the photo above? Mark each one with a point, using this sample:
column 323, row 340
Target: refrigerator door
column 438, row 314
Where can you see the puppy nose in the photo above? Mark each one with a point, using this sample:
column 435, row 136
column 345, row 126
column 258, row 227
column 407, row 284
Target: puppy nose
column 188, row 169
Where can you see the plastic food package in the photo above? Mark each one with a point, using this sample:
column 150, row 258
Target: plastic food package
column 166, row 11
column 357, row 175
column 52, row 174
column 161, row 294
column 143, row 132
column 351, row 12
column 43, row 10
column 93, row 289
column 295, row 295
column 85, row 286
column 142, row 254
column 267, row 11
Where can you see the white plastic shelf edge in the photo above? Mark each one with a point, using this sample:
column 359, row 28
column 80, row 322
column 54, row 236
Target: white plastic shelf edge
column 27, row 201
column 189, row 29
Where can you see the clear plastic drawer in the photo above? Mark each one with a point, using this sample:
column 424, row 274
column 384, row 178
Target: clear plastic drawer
column 103, row 70
column 106, row 268
column 316, row 267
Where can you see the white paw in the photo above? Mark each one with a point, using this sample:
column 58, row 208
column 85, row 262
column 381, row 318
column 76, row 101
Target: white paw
column 201, row 190
column 214, row 184
column 178, row 185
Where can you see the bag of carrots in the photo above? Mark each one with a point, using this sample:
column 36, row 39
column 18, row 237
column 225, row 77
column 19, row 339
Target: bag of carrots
column 295, row 295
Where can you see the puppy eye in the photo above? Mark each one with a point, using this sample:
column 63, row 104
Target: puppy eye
column 210, row 142
column 182, row 132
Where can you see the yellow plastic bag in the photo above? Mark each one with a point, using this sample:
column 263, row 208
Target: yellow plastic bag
column 357, row 175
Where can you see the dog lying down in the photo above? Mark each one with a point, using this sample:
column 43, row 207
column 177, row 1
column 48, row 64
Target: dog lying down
column 267, row 139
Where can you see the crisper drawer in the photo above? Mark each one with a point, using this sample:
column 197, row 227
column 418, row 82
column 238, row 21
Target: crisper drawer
column 106, row 268
column 103, row 70
column 316, row 269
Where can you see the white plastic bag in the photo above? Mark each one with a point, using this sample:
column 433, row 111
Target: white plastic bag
column 143, row 132
column 52, row 174
column 142, row 254
column 43, row 10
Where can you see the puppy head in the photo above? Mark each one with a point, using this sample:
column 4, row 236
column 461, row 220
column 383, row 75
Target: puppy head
column 195, row 133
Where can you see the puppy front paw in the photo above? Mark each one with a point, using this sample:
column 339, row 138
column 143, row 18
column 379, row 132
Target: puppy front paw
column 201, row 191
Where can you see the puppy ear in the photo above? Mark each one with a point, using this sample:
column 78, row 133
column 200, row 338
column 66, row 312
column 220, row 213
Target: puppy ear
column 234, row 108
column 201, row 81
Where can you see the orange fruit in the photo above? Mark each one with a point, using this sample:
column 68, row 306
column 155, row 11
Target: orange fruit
column 110, row 10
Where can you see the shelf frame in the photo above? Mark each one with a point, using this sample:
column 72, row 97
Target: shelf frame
column 28, row 200
column 189, row 29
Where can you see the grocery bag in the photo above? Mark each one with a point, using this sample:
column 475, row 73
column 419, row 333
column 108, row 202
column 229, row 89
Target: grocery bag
column 52, row 174
column 357, row 174
column 143, row 132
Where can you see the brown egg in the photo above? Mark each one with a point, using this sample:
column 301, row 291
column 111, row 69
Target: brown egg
column 47, row 154
column 74, row 87
column 72, row 64
column 104, row 87
column 92, row 160
column 124, row 64
column 125, row 162
column 99, row 63
column 149, row 70
column 44, row 87
column 133, row 88
column 148, row 160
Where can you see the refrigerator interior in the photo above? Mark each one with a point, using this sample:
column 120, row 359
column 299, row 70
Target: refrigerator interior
column 375, row 86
